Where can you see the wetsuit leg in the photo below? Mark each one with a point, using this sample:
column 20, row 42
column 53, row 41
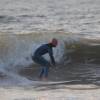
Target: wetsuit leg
column 45, row 66
column 46, row 70
column 41, row 61
column 41, row 73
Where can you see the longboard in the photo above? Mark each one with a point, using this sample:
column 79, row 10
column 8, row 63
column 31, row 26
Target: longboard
column 51, row 82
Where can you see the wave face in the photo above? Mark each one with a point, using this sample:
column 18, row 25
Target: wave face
column 83, row 52
column 17, row 67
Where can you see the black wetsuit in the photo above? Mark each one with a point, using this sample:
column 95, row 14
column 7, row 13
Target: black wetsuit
column 38, row 57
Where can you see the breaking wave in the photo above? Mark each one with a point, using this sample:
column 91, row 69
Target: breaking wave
column 16, row 65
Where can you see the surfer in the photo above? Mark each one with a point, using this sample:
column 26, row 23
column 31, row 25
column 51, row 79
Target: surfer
column 39, row 59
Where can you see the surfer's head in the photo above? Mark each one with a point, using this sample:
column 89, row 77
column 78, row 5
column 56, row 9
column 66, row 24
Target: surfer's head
column 54, row 42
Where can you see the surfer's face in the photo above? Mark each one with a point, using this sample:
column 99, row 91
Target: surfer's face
column 54, row 45
column 54, row 42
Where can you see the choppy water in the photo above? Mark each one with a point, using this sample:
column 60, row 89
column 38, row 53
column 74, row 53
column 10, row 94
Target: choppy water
column 76, row 25
column 25, row 16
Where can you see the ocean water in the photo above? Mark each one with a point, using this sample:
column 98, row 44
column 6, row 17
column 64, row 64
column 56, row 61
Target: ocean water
column 77, row 58
column 76, row 16
column 25, row 25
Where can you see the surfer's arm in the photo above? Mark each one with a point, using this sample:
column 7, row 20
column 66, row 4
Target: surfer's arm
column 52, row 60
column 52, row 57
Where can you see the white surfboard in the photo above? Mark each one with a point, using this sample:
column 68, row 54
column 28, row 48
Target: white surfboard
column 51, row 82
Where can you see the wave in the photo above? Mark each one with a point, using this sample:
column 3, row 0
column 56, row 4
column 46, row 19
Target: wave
column 16, row 49
column 4, row 19
column 86, row 51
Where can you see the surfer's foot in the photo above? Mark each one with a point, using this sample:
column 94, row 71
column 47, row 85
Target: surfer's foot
column 43, row 78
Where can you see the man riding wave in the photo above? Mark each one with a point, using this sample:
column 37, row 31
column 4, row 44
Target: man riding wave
column 39, row 59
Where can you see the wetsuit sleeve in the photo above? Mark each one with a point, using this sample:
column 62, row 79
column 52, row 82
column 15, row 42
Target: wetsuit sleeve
column 51, row 56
